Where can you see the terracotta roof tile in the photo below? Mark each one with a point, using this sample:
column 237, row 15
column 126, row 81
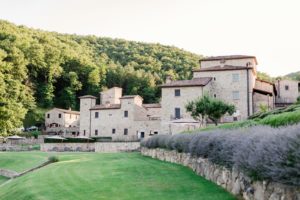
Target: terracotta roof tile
column 106, row 107
column 68, row 111
column 152, row 105
column 87, row 96
column 229, row 57
column 188, row 83
column 220, row 68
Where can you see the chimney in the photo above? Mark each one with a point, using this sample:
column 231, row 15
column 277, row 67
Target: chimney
column 168, row 79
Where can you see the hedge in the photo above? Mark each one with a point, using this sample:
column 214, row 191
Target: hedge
column 261, row 152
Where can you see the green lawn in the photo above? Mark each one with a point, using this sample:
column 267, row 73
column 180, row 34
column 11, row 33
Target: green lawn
column 21, row 161
column 111, row 176
column 2, row 179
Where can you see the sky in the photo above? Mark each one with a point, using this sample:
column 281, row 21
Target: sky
column 267, row 29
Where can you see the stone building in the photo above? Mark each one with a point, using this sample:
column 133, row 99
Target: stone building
column 62, row 122
column 232, row 79
column 118, row 117
column 229, row 78
column 288, row 92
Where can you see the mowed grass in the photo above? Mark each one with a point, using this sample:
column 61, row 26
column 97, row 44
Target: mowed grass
column 120, row 176
column 3, row 179
column 21, row 161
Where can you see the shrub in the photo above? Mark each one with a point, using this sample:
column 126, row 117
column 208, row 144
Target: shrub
column 53, row 159
column 261, row 152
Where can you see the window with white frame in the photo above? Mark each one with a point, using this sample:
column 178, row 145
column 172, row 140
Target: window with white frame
column 235, row 95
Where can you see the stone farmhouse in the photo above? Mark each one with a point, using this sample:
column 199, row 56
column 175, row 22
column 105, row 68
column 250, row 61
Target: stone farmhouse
column 288, row 92
column 119, row 117
column 232, row 79
column 62, row 122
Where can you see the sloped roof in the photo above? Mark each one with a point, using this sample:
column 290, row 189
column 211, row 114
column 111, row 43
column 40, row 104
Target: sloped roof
column 229, row 57
column 152, row 105
column 87, row 97
column 106, row 107
column 222, row 68
column 67, row 111
column 188, row 83
column 130, row 96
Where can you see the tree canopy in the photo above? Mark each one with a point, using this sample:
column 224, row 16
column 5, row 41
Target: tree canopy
column 47, row 69
column 211, row 108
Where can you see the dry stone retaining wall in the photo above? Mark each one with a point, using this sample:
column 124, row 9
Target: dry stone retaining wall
column 104, row 147
column 232, row 180
column 68, row 147
column 111, row 147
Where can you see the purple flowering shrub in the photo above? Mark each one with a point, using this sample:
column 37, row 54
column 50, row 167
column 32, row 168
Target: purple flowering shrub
column 261, row 152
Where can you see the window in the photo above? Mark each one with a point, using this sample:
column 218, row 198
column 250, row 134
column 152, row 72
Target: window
column 48, row 115
column 125, row 113
column 96, row 114
column 155, row 132
column 113, row 131
column 83, row 132
column 235, row 95
column 142, row 134
column 177, row 93
column 286, row 87
column 214, row 78
column 96, row 132
column 235, row 77
column 298, row 87
column 177, row 113
column 125, row 131
column 215, row 96
column 59, row 115
column 235, row 118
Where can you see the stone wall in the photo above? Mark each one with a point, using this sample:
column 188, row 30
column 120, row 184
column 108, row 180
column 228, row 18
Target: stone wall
column 232, row 180
column 85, row 147
column 8, row 173
column 17, row 147
column 111, row 147
column 104, row 147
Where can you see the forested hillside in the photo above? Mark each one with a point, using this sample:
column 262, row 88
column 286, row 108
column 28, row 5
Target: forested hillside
column 294, row 76
column 45, row 69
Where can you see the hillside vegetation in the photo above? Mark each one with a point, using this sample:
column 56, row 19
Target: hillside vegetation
column 46, row 69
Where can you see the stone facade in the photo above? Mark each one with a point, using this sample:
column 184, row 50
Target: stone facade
column 232, row 180
column 103, row 147
column 288, row 91
column 60, row 147
column 231, row 87
column 123, row 118
column 113, row 147
column 62, row 122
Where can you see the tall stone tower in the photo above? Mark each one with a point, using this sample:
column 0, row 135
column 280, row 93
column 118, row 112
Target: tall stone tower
column 86, row 103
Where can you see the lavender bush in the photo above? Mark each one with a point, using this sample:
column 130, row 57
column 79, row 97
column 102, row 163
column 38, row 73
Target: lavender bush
column 261, row 152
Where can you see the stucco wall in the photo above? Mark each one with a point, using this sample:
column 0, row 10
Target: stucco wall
column 232, row 180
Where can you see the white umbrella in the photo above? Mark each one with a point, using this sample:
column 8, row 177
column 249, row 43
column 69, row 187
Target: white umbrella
column 83, row 137
column 55, row 137
column 15, row 137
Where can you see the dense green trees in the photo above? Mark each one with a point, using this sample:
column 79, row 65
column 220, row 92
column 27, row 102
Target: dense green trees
column 46, row 69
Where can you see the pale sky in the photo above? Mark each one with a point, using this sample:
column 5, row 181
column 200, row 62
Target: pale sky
column 267, row 29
